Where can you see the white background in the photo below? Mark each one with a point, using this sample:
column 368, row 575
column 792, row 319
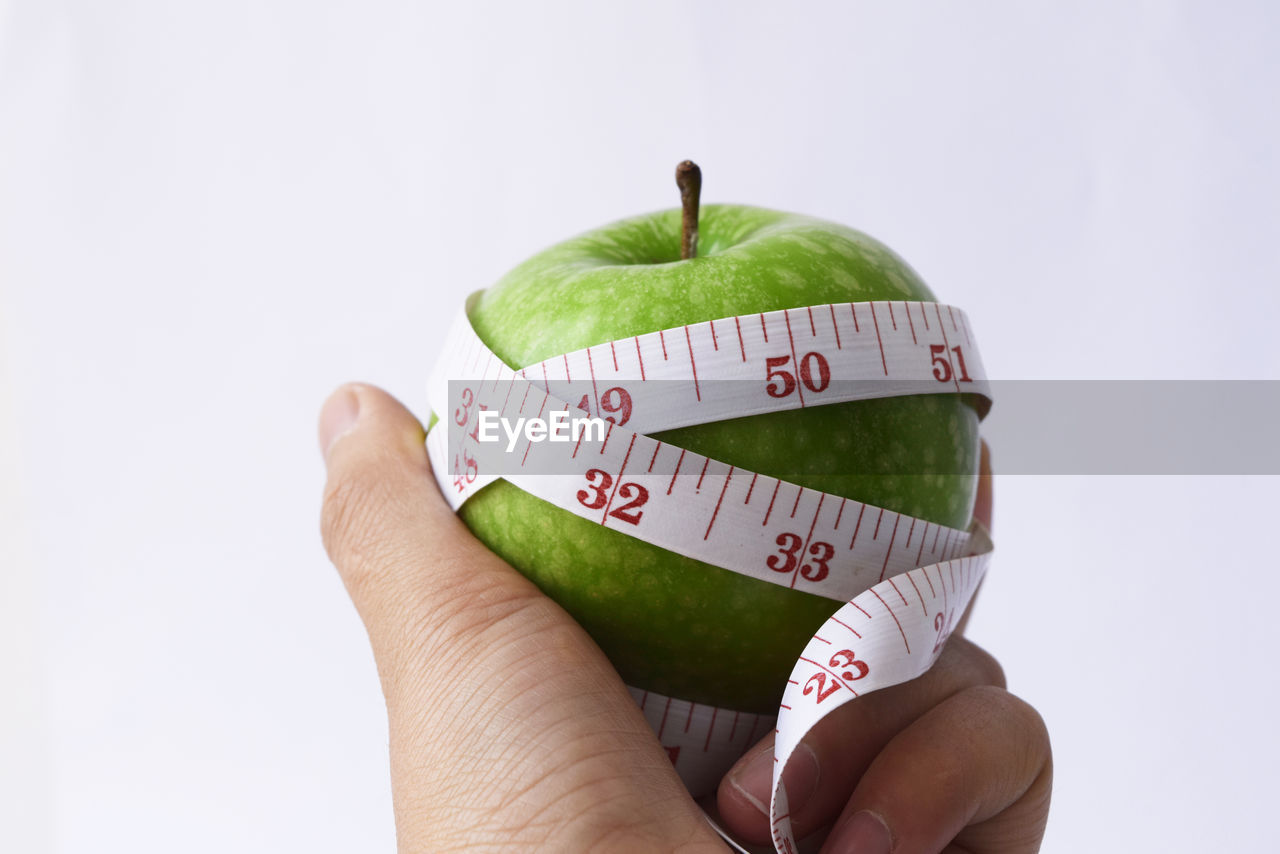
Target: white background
column 213, row 212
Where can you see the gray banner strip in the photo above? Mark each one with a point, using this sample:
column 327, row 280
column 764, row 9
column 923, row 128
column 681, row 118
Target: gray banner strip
column 1135, row 427
column 1094, row 427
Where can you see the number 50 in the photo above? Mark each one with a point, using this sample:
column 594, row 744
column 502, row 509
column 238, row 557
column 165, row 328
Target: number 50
column 783, row 383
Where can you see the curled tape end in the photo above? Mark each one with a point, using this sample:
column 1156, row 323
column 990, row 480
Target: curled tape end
column 883, row 637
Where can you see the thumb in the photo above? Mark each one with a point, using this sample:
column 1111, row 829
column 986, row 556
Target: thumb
column 417, row 576
column 506, row 722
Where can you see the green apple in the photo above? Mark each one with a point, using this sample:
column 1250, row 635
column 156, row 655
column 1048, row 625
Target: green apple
column 669, row 623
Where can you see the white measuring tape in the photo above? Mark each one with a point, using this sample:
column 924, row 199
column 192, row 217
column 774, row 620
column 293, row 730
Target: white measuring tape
column 908, row 579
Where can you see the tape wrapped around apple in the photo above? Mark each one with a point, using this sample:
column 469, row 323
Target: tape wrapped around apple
column 669, row 623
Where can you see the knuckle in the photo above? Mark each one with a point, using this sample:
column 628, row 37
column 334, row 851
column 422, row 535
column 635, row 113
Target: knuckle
column 493, row 627
column 494, row 607
column 970, row 664
column 988, row 668
column 1004, row 766
column 1032, row 722
column 1011, row 716
column 1032, row 757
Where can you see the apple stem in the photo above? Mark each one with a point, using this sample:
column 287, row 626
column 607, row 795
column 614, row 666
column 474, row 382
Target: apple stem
column 689, row 180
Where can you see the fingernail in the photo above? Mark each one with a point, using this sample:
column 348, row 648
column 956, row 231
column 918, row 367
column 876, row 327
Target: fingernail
column 755, row 780
column 864, row 833
column 337, row 417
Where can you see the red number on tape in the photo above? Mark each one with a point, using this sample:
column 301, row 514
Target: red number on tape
column 824, row 690
column 808, row 364
column 789, row 555
column 845, row 658
column 785, row 560
column 615, row 401
column 466, row 470
column 475, row 434
column 942, row 365
column 788, row 381
column 629, row 512
column 599, row 481
column 942, row 625
column 806, row 372
column 818, row 569
column 463, row 413
column 964, row 374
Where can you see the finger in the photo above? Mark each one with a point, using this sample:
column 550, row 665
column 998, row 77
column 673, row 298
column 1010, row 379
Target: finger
column 504, row 717
column 833, row 756
column 412, row 568
column 840, row 747
column 975, row 771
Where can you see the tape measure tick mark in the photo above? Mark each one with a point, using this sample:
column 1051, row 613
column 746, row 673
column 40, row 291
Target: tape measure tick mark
column 671, row 485
column 776, row 484
column 694, row 365
column 591, row 369
column 707, row 746
column 879, row 340
column 856, row 526
column 786, row 316
column 889, row 551
column 905, row 642
column 899, row 592
column 856, row 633
column 716, row 512
column 640, row 356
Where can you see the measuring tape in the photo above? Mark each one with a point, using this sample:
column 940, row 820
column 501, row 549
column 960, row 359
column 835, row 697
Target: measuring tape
column 905, row 580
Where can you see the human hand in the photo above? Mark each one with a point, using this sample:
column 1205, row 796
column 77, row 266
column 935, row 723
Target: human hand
column 949, row 762
column 509, row 728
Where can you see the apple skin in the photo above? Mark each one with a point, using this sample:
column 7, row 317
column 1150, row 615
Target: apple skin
column 669, row 623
